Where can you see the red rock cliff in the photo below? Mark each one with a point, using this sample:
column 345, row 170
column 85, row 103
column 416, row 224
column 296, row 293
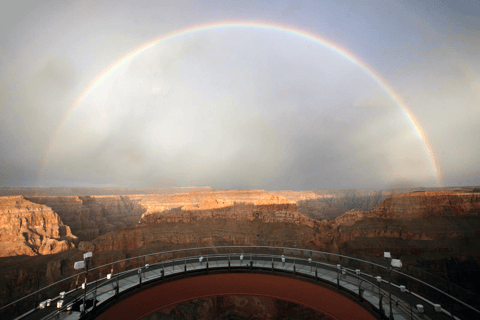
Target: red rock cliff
column 27, row 228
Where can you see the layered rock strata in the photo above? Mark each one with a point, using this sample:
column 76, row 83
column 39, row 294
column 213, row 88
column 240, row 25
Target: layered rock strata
column 27, row 228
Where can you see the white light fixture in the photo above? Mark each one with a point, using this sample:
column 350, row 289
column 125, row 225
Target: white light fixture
column 338, row 266
column 59, row 304
column 79, row 265
column 420, row 308
column 82, row 307
column 109, row 276
column 402, row 288
column 241, row 257
column 147, row 265
column 310, row 260
column 69, row 307
column 83, row 286
column 396, row 263
column 387, row 255
column 379, row 279
column 283, row 258
column 438, row 308
column 357, row 271
column 42, row 304
column 201, row 259
column 48, row 302
column 62, row 294
column 87, row 255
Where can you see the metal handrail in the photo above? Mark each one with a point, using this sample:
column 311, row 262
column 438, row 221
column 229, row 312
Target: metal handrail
column 243, row 247
column 179, row 261
column 28, row 295
column 441, row 291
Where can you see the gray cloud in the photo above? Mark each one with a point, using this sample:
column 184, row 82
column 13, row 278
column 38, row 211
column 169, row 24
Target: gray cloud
column 237, row 108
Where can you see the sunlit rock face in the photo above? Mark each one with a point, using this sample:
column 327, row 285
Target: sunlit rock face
column 27, row 228
column 92, row 216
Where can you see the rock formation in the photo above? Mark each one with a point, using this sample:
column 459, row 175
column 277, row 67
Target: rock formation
column 27, row 228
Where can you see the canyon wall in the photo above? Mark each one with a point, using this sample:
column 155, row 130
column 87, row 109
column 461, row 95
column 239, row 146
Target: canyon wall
column 27, row 228
column 439, row 230
column 92, row 216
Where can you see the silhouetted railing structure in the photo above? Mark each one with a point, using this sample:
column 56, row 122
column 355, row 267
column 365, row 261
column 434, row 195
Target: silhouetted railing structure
column 411, row 298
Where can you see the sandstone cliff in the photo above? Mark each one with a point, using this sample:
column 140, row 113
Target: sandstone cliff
column 27, row 228
column 91, row 216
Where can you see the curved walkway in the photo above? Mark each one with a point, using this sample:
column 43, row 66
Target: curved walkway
column 300, row 292
column 134, row 274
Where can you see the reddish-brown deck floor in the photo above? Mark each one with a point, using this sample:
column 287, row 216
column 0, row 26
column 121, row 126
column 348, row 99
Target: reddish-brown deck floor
column 283, row 288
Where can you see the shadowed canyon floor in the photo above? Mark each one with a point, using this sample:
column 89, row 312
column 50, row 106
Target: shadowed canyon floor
column 42, row 235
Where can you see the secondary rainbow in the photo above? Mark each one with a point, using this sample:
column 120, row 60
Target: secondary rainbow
column 287, row 29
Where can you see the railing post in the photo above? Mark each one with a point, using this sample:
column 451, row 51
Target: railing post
column 117, row 287
column 338, row 276
column 228, row 261
column 357, row 271
column 382, row 312
column 316, row 272
column 95, row 296
column 360, row 292
column 451, row 303
column 390, row 290
column 294, row 267
column 185, row 267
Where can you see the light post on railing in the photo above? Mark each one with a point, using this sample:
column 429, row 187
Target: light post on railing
column 395, row 263
column 84, row 265
column 379, row 281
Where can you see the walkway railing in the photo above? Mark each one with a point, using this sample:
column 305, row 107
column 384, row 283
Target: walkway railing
column 411, row 298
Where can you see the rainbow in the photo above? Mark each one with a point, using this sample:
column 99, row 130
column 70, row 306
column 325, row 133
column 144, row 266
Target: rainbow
column 268, row 26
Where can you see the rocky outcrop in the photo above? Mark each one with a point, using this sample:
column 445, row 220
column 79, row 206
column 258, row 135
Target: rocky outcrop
column 269, row 208
column 92, row 216
column 27, row 228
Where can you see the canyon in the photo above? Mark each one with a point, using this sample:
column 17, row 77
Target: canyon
column 44, row 234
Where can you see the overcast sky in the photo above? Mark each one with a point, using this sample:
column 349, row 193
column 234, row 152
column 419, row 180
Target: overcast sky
column 239, row 107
